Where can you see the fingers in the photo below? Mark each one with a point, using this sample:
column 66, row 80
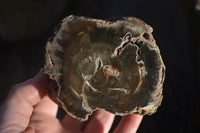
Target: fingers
column 101, row 122
column 71, row 124
column 18, row 106
column 43, row 122
column 43, row 118
column 46, row 107
column 129, row 124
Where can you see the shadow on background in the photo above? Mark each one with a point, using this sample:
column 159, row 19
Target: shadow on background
column 26, row 25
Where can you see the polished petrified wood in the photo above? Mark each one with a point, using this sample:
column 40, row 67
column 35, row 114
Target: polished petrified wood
column 111, row 65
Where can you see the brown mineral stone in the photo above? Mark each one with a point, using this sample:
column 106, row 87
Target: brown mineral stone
column 110, row 65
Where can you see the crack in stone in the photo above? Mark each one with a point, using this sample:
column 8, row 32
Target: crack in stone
column 128, row 39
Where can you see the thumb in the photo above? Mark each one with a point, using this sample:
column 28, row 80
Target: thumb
column 16, row 110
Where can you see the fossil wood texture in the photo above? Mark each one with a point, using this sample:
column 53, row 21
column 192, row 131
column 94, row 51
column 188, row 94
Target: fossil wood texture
column 111, row 65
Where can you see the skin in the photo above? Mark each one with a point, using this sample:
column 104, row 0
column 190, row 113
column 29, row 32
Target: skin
column 28, row 109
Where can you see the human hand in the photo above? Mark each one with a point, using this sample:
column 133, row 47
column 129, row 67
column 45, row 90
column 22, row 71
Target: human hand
column 28, row 109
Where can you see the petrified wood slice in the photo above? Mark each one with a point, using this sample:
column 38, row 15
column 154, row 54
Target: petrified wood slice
column 96, row 64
